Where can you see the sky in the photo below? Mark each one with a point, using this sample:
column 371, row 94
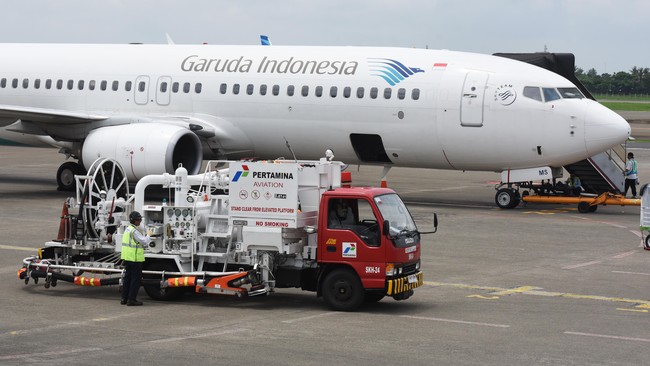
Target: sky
column 606, row 35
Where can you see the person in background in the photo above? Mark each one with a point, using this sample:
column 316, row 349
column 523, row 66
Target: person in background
column 133, row 244
column 574, row 185
column 631, row 176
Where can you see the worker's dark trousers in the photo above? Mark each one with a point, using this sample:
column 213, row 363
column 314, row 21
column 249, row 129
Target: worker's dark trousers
column 630, row 183
column 132, row 280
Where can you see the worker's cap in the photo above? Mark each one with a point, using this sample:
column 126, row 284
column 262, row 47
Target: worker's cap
column 630, row 155
column 135, row 215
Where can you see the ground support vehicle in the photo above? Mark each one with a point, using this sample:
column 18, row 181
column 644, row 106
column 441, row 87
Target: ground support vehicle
column 241, row 228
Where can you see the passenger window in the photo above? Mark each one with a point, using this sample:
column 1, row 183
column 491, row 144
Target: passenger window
column 25, row 83
column 70, row 84
column 415, row 94
column 37, row 84
column 48, row 84
column 346, row 92
column 80, row 85
column 198, row 87
column 223, row 88
column 186, row 87
column 333, row 91
column 163, row 87
column 250, row 88
column 319, row 91
column 91, row 85
column 59, row 84
column 141, row 86
column 290, row 90
column 401, row 93
column 533, row 92
column 276, row 89
column 360, row 92
column 387, row 93
column 235, row 89
column 128, row 85
column 550, row 94
column 14, row 83
column 175, row 86
column 3, row 83
column 373, row 93
column 263, row 89
column 103, row 85
column 116, row 85
column 305, row 90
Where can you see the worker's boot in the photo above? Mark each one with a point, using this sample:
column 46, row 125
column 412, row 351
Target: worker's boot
column 134, row 303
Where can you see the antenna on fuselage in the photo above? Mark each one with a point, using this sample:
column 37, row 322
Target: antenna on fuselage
column 290, row 149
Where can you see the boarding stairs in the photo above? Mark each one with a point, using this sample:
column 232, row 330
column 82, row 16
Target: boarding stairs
column 601, row 173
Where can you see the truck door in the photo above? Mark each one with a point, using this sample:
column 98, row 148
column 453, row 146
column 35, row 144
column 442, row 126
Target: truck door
column 471, row 107
column 353, row 236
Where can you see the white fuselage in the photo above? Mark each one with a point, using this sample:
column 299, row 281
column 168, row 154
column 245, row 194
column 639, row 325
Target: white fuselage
column 446, row 110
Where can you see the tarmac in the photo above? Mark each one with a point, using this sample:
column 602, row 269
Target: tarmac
column 538, row 284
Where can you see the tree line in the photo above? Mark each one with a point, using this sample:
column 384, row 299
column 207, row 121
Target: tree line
column 637, row 81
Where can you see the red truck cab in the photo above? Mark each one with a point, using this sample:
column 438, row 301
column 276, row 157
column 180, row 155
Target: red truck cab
column 368, row 247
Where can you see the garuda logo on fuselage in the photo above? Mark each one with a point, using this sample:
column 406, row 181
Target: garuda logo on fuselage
column 392, row 71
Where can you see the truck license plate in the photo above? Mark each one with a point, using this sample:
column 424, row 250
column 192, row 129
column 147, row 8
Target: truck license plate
column 413, row 279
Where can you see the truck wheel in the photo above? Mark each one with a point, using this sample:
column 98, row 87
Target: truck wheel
column 155, row 291
column 506, row 198
column 342, row 290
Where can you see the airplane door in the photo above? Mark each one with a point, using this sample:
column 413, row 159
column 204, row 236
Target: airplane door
column 163, row 90
column 141, row 90
column 471, row 108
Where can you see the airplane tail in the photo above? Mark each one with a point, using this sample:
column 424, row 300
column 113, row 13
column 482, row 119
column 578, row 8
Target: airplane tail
column 265, row 40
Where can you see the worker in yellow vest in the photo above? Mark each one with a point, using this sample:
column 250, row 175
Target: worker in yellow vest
column 133, row 244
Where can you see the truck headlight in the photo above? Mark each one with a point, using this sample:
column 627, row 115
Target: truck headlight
column 417, row 266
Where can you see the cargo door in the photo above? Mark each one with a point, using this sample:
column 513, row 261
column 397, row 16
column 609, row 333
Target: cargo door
column 472, row 99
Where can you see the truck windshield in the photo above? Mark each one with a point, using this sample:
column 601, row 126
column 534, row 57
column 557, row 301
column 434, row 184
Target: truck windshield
column 393, row 209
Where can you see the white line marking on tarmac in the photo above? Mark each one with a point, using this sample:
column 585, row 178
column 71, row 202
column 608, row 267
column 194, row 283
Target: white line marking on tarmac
column 202, row 335
column 43, row 355
column 609, row 336
column 625, row 254
column 11, row 247
column 632, row 273
column 455, row 321
column 582, row 265
column 637, row 233
column 308, row 317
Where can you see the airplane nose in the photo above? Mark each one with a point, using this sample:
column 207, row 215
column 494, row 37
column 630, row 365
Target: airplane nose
column 604, row 128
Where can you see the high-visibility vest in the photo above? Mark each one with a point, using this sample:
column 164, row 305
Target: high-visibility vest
column 132, row 251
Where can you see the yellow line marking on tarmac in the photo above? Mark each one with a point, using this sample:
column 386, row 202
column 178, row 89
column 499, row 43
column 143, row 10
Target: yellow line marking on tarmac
column 516, row 290
column 11, row 247
column 633, row 310
column 484, row 297
column 537, row 291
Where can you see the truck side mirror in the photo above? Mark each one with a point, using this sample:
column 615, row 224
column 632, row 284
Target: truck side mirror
column 386, row 229
column 435, row 225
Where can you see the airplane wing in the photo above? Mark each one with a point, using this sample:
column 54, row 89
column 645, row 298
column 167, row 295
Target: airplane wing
column 32, row 114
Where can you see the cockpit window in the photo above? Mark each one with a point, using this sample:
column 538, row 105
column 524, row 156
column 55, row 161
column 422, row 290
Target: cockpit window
column 570, row 93
column 533, row 92
column 550, row 94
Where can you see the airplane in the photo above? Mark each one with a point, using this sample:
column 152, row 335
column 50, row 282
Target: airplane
column 153, row 107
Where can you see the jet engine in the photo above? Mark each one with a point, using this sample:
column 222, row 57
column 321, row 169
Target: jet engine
column 145, row 148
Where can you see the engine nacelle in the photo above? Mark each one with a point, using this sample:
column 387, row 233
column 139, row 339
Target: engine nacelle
column 145, row 148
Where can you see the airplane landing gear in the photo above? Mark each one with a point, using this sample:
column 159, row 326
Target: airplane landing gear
column 65, row 175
